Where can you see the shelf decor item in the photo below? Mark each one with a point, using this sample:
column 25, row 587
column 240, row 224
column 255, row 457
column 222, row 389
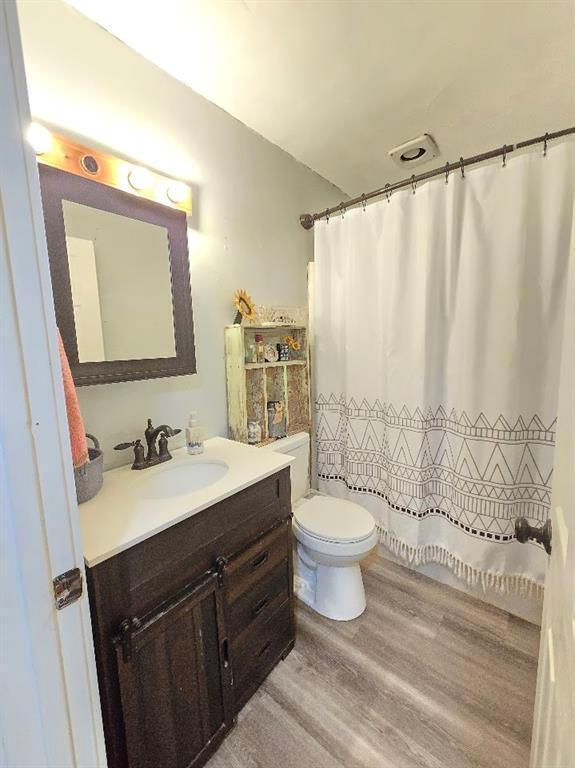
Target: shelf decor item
column 244, row 305
column 271, row 354
column 254, row 433
column 260, row 348
column 276, row 419
column 283, row 351
column 271, row 378
column 292, row 343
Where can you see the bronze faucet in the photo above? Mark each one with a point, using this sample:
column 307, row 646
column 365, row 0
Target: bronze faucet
column 155, row 455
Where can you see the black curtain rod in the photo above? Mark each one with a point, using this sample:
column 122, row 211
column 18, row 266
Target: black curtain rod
column 307, row 220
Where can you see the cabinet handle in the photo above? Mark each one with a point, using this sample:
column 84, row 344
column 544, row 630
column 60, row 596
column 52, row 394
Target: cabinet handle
column 265, row 648
column 258, row 607
column 226, row 653
column 259, row 560
column 124, row 637
column 221, row 563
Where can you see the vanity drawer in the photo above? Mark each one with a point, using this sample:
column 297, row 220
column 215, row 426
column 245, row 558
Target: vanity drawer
column 256, row 653
column 257, row 603
column 256, row 562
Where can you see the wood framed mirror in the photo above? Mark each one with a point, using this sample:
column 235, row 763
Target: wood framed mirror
column 120, row 278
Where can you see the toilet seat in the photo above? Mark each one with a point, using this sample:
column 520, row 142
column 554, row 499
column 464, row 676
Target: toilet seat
column 336, row 521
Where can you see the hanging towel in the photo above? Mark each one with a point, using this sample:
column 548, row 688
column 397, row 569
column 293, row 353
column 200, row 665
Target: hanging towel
column 75, row 422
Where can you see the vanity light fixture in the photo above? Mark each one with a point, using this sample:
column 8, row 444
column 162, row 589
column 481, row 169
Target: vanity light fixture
column 139, row 178
column 40, row 138
column 64, row 154
column 177, row 192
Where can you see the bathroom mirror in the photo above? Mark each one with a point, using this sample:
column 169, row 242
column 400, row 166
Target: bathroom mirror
column 120, row 278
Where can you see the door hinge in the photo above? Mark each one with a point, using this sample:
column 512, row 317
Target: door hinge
column 67, row 588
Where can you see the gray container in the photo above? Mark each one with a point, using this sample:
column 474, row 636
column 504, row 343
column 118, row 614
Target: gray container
column 89, row 478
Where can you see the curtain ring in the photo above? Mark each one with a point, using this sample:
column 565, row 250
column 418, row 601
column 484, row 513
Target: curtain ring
column 446, row 173
column 342, row 208
column 413, row 183
column 504, row 155
column 462, row 167
column 387, row 193
column 363, row 201
column 545, row 145
column 326, row 214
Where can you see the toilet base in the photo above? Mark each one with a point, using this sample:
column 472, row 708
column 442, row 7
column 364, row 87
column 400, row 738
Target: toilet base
column 334, row 592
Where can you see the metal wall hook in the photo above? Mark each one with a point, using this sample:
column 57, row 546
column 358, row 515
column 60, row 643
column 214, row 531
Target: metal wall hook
column 363, row 201
column 413, row 183
column 504, row 155
column 387, row 193
column 447, row 173
column 545, row 140
column 462, row 167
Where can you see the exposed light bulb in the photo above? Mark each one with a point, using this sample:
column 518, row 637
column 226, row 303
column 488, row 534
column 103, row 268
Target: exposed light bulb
column 139, row 178
column 177, row 192
column 40, row 138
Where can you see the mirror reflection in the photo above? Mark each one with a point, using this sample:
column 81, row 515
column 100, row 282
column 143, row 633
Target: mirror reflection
column 121, row 285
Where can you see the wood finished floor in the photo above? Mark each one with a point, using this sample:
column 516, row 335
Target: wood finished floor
column 427, row 678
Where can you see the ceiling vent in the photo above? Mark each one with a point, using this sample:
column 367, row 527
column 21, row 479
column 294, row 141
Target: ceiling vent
column 415, row 152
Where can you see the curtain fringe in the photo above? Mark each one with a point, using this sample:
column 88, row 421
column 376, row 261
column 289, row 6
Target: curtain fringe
column 473, row 577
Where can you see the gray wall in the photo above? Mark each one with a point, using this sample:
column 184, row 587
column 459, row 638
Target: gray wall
column 244, row 231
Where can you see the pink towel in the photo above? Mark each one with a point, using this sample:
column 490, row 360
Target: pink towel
column 75, row 422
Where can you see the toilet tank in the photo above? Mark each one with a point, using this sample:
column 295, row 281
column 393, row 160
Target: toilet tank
column 295, row 445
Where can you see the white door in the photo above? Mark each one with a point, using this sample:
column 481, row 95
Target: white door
column 49, row 708
column 553, row 743
column 86, row 299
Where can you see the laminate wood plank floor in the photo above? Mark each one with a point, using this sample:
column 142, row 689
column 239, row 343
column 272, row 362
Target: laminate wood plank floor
column 428, row 677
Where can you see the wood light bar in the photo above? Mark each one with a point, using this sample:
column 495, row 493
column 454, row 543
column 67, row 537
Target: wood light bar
column 59, row 152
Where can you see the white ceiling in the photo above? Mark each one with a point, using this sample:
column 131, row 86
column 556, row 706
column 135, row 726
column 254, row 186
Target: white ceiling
column 336, row 83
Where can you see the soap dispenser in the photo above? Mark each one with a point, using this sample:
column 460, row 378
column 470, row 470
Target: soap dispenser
column 194, row 435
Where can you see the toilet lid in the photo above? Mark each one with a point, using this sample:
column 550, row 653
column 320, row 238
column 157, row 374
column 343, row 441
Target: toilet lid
column 330, row 519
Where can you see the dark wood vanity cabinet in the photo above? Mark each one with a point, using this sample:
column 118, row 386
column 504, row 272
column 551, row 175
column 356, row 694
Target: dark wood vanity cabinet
column 188, row 623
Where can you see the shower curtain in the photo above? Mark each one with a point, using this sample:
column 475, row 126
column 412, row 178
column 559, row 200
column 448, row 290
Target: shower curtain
column 437, row 334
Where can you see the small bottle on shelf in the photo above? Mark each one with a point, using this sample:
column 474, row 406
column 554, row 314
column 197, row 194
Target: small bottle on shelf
column 260, row 352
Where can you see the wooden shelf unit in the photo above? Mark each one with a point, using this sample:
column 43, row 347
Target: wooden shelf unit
column 251, row 385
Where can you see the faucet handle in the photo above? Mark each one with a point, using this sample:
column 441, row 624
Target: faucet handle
column 139, row 462
column 123, row 446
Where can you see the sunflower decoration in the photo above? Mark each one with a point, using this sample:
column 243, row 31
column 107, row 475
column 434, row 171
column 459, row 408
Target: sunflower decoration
column 292, row 343
column 245, row 306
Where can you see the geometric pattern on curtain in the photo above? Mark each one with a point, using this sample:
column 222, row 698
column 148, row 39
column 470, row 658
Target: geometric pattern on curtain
column 478, row 474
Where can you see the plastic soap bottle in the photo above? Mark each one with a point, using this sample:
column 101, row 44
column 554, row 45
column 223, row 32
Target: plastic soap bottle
column 194, row 435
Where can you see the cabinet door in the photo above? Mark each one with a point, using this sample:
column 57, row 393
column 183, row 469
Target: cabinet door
column 175, row 680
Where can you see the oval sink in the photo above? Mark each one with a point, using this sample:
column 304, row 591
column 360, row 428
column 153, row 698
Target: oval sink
column 181, row 479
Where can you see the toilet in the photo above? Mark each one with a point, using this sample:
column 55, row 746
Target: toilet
column 332, row 535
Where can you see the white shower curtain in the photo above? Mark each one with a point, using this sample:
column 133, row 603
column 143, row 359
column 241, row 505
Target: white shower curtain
column 438, row 322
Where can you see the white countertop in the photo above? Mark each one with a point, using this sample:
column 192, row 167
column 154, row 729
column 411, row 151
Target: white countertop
column 119, row 516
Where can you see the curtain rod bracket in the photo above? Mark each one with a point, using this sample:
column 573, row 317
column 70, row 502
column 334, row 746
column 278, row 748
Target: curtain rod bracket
column 307, row 220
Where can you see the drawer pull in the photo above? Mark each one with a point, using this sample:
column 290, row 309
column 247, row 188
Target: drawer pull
column 265, row 648
column 258, row 607
column 259, row 560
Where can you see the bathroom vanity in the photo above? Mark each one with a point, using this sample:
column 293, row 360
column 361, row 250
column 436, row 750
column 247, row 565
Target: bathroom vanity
column 191, row 593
